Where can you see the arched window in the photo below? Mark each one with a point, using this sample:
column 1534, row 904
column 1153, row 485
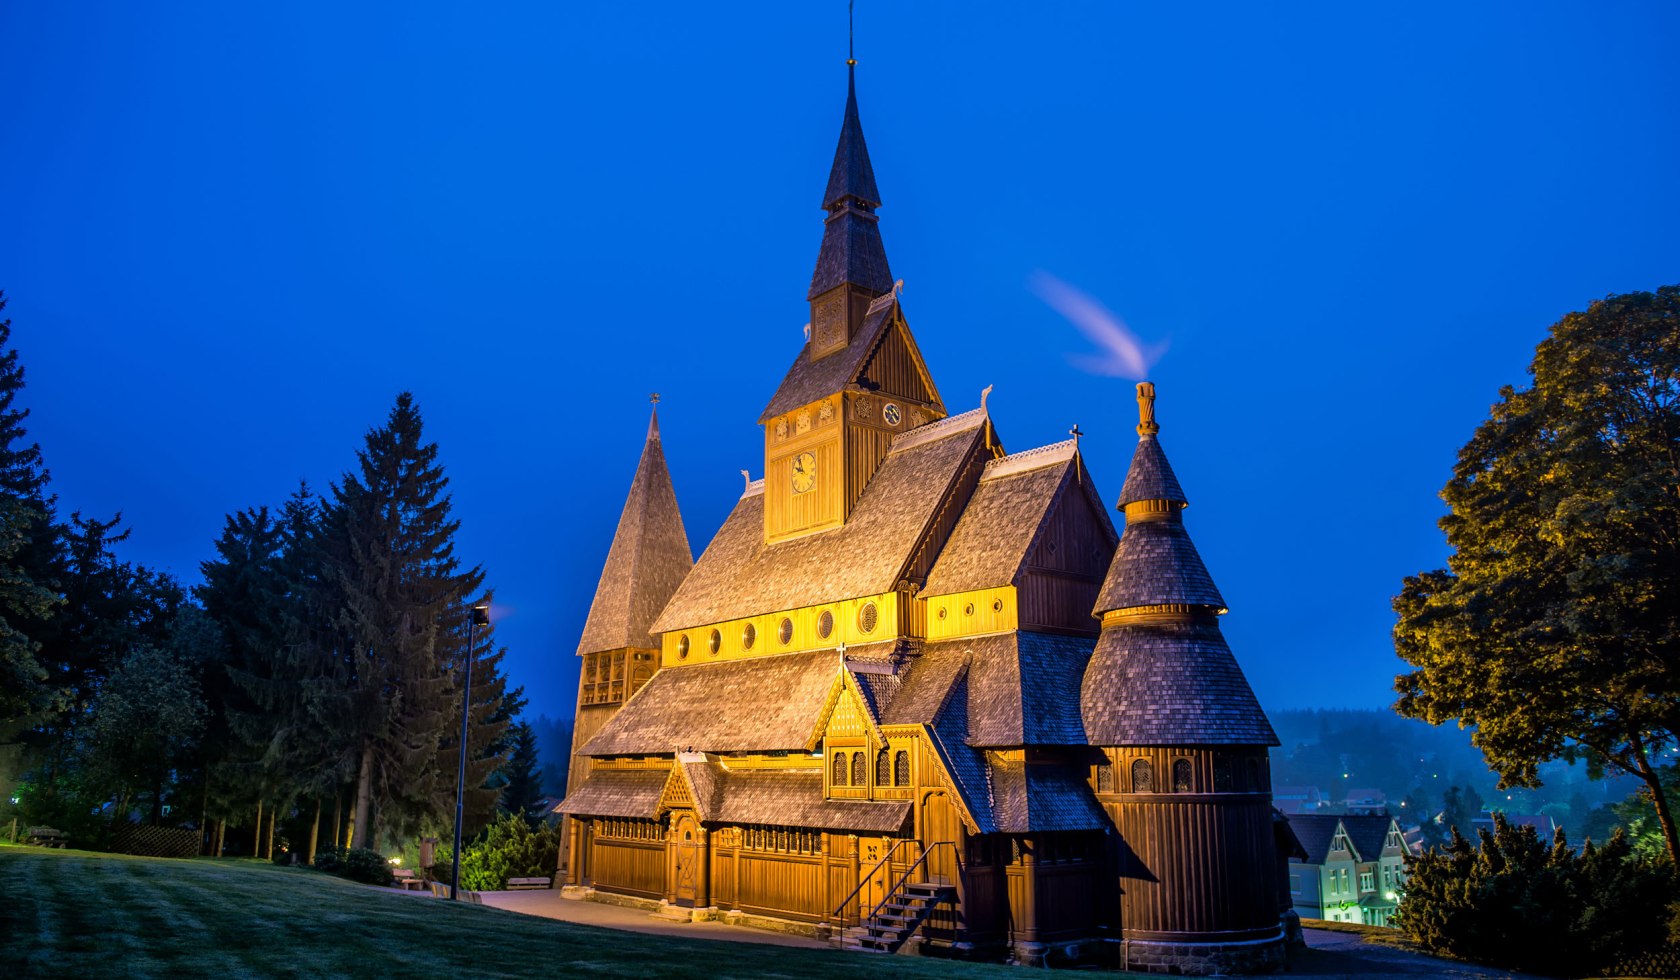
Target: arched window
column 901, row 768
column 1143, row 777
column 883, row 768
column 1222, row 775
column 1105, row 777
column 1181, row 775
column 839, row 769
column 860, row 775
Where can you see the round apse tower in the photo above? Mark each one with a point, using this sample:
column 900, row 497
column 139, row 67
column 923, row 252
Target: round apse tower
column 1184, row 742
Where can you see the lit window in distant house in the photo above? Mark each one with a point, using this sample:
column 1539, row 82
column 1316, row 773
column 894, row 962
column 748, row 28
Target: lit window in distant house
column 1367, row 881
column 1294, row 884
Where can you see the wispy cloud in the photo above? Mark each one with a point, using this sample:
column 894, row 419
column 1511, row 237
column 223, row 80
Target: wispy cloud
column 1122, row 353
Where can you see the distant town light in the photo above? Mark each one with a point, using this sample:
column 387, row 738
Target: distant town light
column 396, row 861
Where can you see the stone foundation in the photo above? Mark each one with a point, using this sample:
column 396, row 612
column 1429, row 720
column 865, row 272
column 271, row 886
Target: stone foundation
column 1204, row 959
column 1069, row 953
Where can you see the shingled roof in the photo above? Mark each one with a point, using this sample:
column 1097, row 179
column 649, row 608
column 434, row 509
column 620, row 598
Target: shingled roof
column 1315, row 831
column 808, row 380
column 616, row 793
column 794, row 798
column 739, row 575
column 1150, row 476
column 647, row 561
column 1169, row 684
column 1040, row 797
column 764, row 704
column 1155, row 564
column 1007, row 515
column 851, row 247
column 1018, row 688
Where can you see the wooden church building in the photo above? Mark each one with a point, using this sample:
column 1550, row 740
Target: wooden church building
column 918, row 692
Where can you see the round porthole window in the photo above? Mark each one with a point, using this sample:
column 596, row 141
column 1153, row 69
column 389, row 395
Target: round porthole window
column 785, row 631
column 941, row 612
column 997, row 605
column 968, row 610
column 825, row 624
column 715, row 642
column 867, row 617
column 682, row 647
column 749, row 636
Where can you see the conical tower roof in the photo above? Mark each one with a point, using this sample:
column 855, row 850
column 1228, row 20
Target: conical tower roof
column 648, row 559
column 1161, row 673
column 851, row 251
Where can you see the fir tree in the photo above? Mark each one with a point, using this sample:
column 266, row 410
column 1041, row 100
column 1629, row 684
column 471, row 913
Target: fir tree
column 404, row 626
column 522, row 789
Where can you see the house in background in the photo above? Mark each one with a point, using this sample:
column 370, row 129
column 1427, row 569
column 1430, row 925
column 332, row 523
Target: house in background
column 1367, row 801
column 1354, row 867
column 1298, row 799
column 1542, row 823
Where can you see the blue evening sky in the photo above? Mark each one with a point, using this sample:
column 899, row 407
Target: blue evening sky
column 233, row 232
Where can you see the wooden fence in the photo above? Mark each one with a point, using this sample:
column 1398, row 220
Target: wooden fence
column 168, row 842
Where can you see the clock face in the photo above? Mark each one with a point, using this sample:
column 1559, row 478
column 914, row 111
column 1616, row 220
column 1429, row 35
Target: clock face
column 804, row 472
column 891, row 414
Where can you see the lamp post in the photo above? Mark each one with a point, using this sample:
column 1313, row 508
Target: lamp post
column 480, row 617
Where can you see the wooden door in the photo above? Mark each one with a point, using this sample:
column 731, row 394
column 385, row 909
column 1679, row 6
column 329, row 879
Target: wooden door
column 687, row 853
column 876, row 881
column 939, row 823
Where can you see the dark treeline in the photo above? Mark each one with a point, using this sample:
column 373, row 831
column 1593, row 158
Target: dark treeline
column 312, row 680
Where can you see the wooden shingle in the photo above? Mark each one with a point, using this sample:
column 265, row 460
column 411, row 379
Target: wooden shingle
column 648, row 559
column 739, row 575
column 1169, row 684
column 616, row 793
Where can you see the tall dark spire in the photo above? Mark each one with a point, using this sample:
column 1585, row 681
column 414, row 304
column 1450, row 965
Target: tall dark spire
column 852, row 252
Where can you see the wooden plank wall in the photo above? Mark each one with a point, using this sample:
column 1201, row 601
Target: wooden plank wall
column 631, row 867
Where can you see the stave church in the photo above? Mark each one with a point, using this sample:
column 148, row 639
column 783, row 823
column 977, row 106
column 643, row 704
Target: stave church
column 920, row 694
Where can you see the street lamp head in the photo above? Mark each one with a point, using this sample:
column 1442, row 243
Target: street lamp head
column 481, row 614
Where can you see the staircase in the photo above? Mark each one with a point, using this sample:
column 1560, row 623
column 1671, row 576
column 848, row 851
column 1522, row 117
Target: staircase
column 898, row 917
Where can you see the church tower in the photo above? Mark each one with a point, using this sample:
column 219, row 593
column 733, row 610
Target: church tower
column 1184, row 774
column 860, row 380
column 648, row 559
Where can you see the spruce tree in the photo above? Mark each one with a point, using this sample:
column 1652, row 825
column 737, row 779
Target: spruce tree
column 26, row 554
column 404, row 625
column 522, row 788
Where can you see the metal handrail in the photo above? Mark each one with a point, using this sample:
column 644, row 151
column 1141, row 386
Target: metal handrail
column 910, row 870
column 864, row 879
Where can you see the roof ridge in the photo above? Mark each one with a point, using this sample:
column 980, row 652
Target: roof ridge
column 1030, row 459
column 754, row 488
column 933, row 431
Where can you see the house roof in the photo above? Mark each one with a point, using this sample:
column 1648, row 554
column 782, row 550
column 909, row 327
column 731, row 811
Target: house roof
column 617, row 793
column 1169, row 684
column 1367, row 834
column 646, row 563
column 1008, row 514
column 739, row 575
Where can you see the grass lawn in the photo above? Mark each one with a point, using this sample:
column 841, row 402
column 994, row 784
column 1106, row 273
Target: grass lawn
column 86, row 915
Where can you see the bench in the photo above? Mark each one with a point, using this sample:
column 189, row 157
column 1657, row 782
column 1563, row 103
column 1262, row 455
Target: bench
column 46, row 837
column 407, row 880
column 528, row 884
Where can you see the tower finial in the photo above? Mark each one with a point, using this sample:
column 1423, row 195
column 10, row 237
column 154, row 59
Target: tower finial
column 654, row 398
column 1146, row 409
column 851, row 58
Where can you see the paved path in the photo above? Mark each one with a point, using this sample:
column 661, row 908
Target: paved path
column 1329, row 954
column 1346, row 954
column 548, row 904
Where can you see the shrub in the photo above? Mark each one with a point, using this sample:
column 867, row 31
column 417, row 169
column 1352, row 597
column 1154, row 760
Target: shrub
column 510, row 848
column 1516, row 903
column 357, row 864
